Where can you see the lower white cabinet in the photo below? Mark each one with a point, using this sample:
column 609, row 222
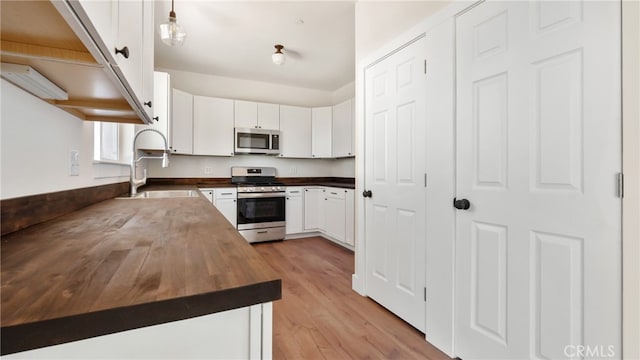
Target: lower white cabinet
column 243, row 333
column 314, row 208
column 334, row 210
column 294, row 210
column 327, row 210
column 225, row 200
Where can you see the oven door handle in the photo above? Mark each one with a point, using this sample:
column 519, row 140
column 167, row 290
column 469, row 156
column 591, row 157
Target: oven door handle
column 261, row 195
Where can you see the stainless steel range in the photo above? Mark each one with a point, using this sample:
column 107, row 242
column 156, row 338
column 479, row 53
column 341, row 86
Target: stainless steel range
column 261, row 203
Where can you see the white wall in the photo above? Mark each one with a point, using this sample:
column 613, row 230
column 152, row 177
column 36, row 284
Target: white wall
column 36, row 140
column 346, row 92
column 379, row 22
column 345, row 167
column 232, row 88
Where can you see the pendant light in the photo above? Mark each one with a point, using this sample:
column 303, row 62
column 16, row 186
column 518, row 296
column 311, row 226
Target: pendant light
column 278, row 57
column 171, row 32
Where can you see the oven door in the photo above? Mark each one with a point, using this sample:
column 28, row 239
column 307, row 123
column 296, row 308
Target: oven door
column 261, row 210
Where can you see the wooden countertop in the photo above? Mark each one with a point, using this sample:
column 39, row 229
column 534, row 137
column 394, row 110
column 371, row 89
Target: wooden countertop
column 123, row 264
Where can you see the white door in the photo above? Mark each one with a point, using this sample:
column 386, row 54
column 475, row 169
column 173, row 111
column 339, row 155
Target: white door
column 538, row 150
column 395, row 108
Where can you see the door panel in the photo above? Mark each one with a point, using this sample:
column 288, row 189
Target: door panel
column 395, row 100
column 538, row 150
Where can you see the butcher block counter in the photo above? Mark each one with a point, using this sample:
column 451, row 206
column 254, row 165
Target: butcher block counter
column 124, row 264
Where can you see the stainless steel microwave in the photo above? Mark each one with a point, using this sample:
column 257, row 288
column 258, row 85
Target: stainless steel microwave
column 257, row 141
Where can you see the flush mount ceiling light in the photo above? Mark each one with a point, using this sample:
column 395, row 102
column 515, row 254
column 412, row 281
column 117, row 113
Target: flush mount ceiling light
column 32, row 81
column 278, row 57
column 171, row 32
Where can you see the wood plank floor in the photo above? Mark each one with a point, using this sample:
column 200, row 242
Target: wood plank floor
column 321, row 317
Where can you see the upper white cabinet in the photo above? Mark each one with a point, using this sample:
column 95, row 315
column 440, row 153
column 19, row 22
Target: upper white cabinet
column 212, row 126
column 161, row 108
column 119, row 34
column 181, row 134
column 295, row 131
column 343, row 129
column 321, row 132
column 249, row 114
column 148, row 76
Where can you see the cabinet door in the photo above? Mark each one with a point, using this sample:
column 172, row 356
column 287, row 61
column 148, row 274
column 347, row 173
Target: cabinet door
column 334, row 210
column 208, row 193
column 228, row 208
column 181, row 122
column 129, row 35
column 295, row 132
column 246, row 114
column 148, row 80
column 295, row 214
column 269, row 116
column 314, row 209
column 161, row 86
column 342, row 129
column 321, row 132
column 102, row 15
column 350, row 217
column 212, row 126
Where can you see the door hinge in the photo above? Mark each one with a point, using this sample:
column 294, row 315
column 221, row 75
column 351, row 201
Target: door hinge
column 425, row 66
column 425, row 179
column 425, row 294
column 620, row 185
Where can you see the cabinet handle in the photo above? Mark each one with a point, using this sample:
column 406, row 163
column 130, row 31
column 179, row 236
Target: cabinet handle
column 332, row 193
column 234, row 200
column 148, row 103
column 287, row 198
column 124, row 51
column 262, row 232
column 295, row 192
column 226, row 193
column 156, row 118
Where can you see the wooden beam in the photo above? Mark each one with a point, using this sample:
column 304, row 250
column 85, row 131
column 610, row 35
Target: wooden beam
column 47, row 53
column 94, row 105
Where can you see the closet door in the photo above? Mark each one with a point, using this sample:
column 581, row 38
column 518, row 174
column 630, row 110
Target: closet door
column 394, row 173
column 538, row 266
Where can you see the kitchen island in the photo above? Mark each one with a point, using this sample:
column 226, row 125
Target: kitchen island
column 171, row 268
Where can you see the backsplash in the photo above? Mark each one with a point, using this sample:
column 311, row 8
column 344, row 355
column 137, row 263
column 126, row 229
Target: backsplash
column 214, row 167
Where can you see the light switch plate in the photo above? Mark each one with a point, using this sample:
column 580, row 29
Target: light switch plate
column 74, row 163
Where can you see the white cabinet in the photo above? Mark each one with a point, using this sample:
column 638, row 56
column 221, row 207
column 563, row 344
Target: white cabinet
column 161, row 101
column 295, row 131
column 294, row 210
column 127, row 51
column 212, row 126
column 181, row 139
column 321, row 132
column 314, row 208
column 350, row 217
column 209, row 194
column 148, row 75
column 225, row 201
column 249, row 114
column 343, row 129
column 334, row 209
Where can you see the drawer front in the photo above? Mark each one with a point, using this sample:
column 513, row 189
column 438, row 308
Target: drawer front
column 295, row 191
column 335, row 193
column 226, row 193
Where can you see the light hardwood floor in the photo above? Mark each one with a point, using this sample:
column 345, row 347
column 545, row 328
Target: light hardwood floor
column 321, row 317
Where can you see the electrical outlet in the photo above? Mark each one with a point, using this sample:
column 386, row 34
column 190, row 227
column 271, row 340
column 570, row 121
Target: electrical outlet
column 208, row 170
column 74, row 163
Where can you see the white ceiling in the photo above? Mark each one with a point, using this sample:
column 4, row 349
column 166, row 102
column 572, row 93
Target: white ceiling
column 236, row 39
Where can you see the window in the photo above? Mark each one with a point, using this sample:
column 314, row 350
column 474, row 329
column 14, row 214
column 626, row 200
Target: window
column 110, row 142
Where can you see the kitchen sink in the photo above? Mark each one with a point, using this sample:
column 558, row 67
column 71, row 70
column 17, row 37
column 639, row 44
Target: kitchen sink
column 163, row 194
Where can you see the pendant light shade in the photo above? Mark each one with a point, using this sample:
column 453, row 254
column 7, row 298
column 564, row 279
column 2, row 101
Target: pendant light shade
column 278, row 57
column 171, row 32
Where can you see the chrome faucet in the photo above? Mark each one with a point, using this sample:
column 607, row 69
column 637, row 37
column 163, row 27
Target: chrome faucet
column 135, row 182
